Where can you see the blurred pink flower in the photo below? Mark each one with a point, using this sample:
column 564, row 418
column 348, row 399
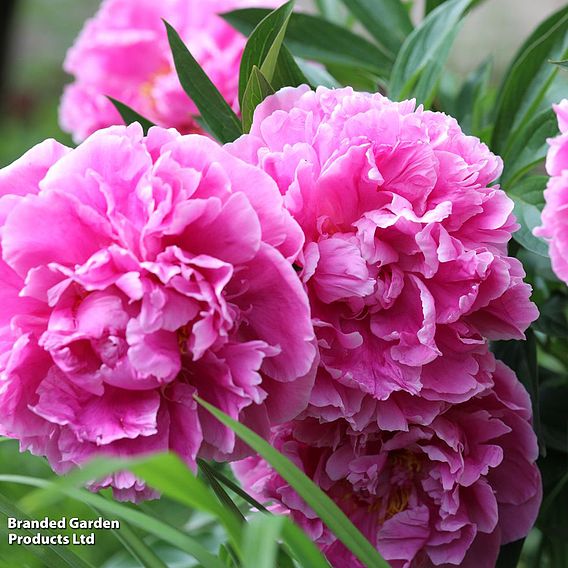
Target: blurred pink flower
column 123, row 52
column 555, row 213
column 135, row 273
column 405, row 260
column 449, row 492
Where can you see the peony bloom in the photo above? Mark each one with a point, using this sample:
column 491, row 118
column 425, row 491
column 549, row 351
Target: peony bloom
column 138, row 272
column 123, row 52
column 555, row 214
column 446, row 493
column 405, row 260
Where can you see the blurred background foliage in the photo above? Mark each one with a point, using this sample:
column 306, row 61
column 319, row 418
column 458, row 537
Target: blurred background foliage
column 35, row 37
column 37, row 33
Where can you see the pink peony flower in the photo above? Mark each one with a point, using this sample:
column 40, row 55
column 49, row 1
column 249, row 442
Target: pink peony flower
column 555, row 213
column 123, row 52
column 405, row 260
column 445, row 493
column 136, row 273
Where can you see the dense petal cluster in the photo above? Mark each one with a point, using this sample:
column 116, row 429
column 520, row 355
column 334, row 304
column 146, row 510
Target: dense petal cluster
column 448, row 492
column 123, row 52
column 137, row 272
column 412, row 427
column 555, row 214
column 405, row 260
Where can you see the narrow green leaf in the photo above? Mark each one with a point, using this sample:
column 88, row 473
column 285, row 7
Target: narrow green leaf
column 529, row 217
column 165, row 473
column 510, row 554
column 288, row 72
column 53, row 555
column 471, row 96
column 263, row 46
column 260, row 545
column 529, row 78
column 548, row 503
column 359, row 79
column 116, row 510
column 316, row 75
column 227, row 556
column 169, row 475
column 225, row 500
column 303, row 549
column 139, row 550
column 316, row 39
column 239, row 491
column 323, row 506
column 432, row 5
column 529, row 147
column 530, row 190
column 130, row 115
column 214, row 109
column 422, row 56
column 257, row 89
column 386, row 20
column 329, row 9
column 553, row 318
column 528, row 198
column 563, row 63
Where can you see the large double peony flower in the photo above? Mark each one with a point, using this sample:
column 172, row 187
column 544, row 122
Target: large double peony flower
column 137, row 272
column 405, row 260
column 555, row 214
column 411, row 427
column 446, row 493
column 123, row 52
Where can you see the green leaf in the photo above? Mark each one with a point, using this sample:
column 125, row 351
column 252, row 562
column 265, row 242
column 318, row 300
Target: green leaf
column 165, row 473
column 548, row 503
column 238, row 490
column 288, row 72
column 260, row 545
column 563, row 63
column 139, row 550
column 529, row 217
column 359, row 79
column 509, row 554
column 304, row 550
column 422, row 57
column 329, row 9
column 554, row 419
column 431, row 5
column 528, row 147
column 528, row 198
column 529, row 78
column 317, row 75
column 53, row 555
column 225, row 500
column 316, row 39
column 530, row 189
column 220, row 118
column 169, row 475
column 553, row 319
column 130, row 115
column 324, row 507
column 257, row 89
column 521, row 357
column 469, row 104
column 116, row 510
column 386, row 20
column 263, row 47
